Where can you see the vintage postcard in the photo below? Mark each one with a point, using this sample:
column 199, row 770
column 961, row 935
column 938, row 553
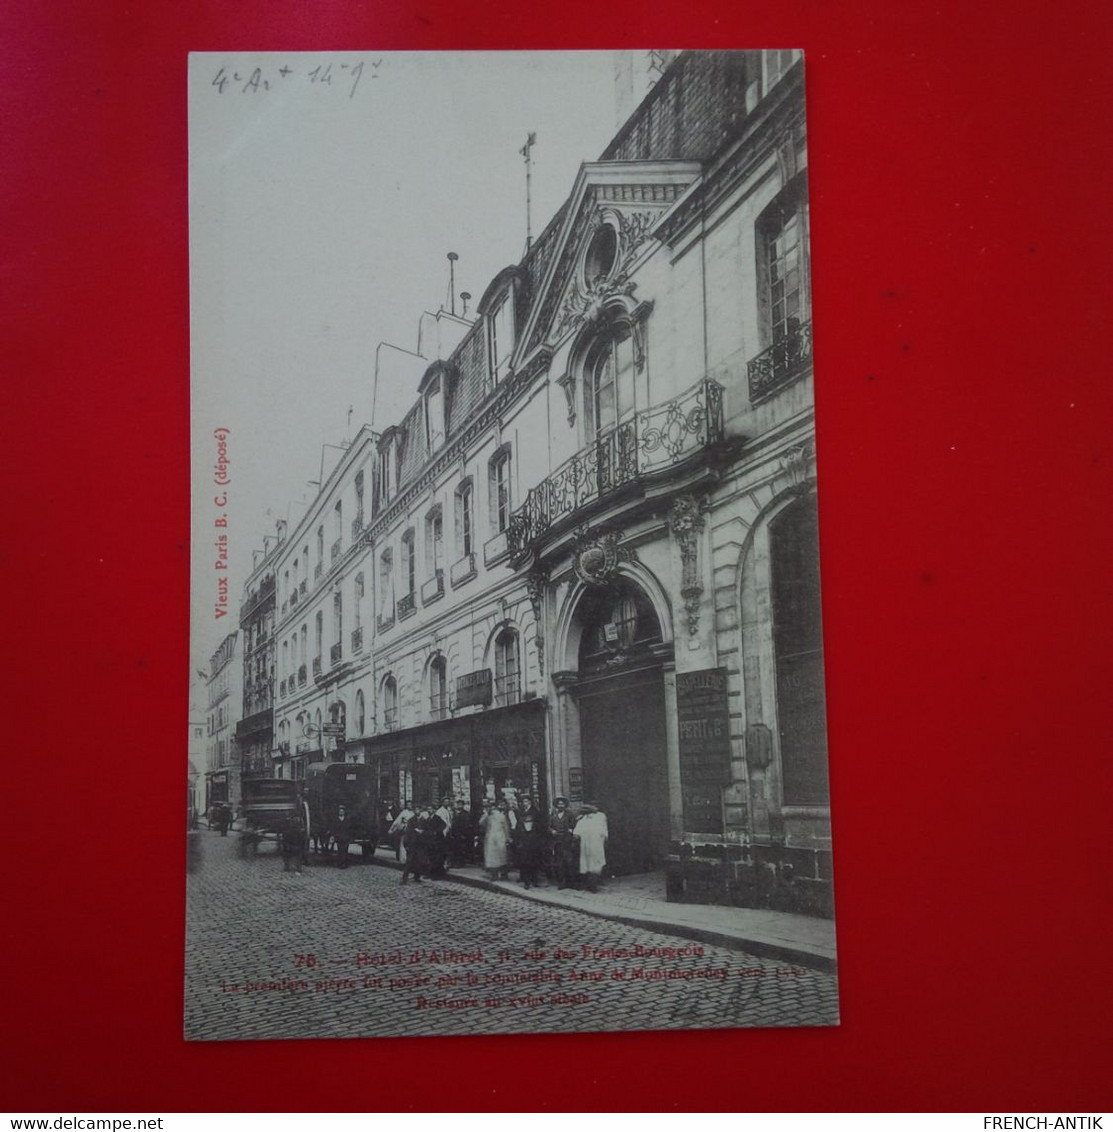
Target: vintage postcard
column 507, row 688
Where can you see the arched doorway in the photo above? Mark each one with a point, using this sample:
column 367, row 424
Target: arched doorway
column 621, row 696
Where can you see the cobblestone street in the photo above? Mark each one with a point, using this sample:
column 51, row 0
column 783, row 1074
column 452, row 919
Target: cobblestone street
column 329, row 953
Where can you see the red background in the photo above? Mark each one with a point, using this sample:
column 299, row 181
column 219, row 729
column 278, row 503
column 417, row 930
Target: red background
column 960, row 171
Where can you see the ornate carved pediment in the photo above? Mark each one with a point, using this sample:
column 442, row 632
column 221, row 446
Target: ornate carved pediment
column 595, row 557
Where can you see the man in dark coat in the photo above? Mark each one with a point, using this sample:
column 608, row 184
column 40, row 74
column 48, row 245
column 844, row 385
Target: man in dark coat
column 529, row 841
column 415, row 841
column 293, row 843
column 565, row 856
column 342, row 832
column 436, row 829
column 461, row 837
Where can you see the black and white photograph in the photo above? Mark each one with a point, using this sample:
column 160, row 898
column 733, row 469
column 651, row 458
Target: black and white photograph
column 506, row 672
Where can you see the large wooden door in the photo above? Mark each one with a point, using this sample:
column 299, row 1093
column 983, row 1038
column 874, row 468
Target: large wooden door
column 622, row 723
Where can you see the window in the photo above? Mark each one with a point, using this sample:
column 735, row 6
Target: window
column 305, row 563
column 320, row 636
column 507, row 675
column 434, row 415
column 438, row 694
column 361, row 717
column 601, row 254
column 499, row 472
column 390, row 703
column 338, row 617
column 304, row 656
column 464, row 518
column 609, row 384
column 408, row 563
column 386, row 586
column 775, row 65
column 359, row 500
column 798, row 649
column 357, row 614
column 387, row 468
column 500, row 338
column 785, row 276
column 434, row 542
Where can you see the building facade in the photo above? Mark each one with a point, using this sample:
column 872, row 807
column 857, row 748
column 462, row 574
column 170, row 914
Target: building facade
column 224, row 693
column 255, row 728
column 581, row 558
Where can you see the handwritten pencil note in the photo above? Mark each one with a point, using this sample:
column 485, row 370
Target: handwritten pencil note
column 328, row 75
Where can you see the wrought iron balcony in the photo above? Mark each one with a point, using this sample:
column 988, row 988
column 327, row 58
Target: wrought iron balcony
column 357, row 639
column 316, row 667
column 335, row 652
column 655, row 439
column 302, row 676
column 405, row 606
column 785, row 360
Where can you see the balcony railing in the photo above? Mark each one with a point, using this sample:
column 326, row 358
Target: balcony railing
column 336, row 550
column 316, row 667
column 335, row 652
column 405, row 606
column 785, row 360
column 390, row 719
column 318, row 570
column 303, row 586
column 357, row 639
column 302, row 676
column 463, row 570
column 653, row 440
column 384, row 622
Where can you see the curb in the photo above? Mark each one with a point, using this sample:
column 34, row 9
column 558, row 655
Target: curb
column 713, row 936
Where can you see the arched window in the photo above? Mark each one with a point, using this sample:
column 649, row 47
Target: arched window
column 619, row 625
column 390, row 703
column 464, row 533
column 434, row 542
column 408, row 563
column 499, row 482
column 609, row 383
column 361, row 716
column 798, row 648
column 386, row 587
column 508, row 682
column 438, row 687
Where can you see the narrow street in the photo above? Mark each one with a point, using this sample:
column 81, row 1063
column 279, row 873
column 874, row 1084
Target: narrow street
column 350, row 953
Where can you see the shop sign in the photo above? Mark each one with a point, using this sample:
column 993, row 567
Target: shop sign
column 575, row 784
column 474, row 688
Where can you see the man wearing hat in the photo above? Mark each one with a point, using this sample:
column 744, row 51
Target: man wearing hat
column 562, row 823
column 591, row 830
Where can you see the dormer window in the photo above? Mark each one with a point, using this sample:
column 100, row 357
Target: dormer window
column 434, row 415
column 500, row 338
column 388, row 466
column 602, row 252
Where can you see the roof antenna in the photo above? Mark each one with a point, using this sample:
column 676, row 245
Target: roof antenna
column 525, row 152
column 452, row 258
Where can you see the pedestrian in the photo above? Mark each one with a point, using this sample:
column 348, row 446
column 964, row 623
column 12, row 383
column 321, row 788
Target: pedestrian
column 436, row 829
column 397, row 830
column 562, row 823
column 342, row 832
column 496, row 839
column 529, row 844
column 461, row 837
column 591, row 830
column 223, row 818
column 415, row 844
column 293, row 843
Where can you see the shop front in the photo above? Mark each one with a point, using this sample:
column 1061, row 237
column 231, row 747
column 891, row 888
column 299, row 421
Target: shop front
column 487, row 756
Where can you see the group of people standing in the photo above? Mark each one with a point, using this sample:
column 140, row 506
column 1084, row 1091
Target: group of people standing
column 567, row 846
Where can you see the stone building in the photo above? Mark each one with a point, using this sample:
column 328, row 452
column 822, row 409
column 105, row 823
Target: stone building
column 224, row 693
column 255, row 728
column 580, row 557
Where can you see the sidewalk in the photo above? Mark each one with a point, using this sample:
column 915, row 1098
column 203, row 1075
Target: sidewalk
column 639, row 902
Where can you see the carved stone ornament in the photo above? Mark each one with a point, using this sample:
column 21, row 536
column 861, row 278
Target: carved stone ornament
column 798, row 463
column 587, row 303
column 536, row 581
column 595, row 558
column 685, row 521
column 568, row 384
